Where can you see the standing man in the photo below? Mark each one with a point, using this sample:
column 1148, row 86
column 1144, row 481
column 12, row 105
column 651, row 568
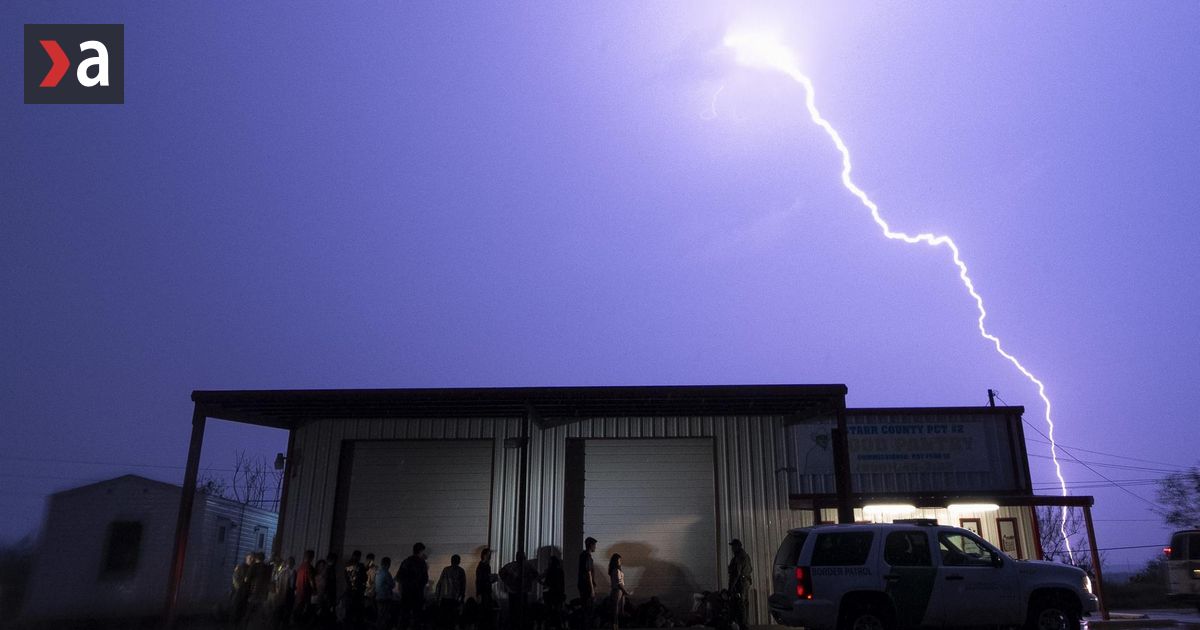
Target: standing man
column 260, row 587
column 587, row 581
column 739, row 582
column 555, row 594
column 305, row 580
column 383, row 587
column 519, row 578
column 414, row 575
column 451, row 591
column 369, row 598
column 356, row 589
column 241, row 588
column 483, row 590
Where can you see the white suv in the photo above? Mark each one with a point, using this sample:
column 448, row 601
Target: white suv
column 1183, row 567
column 918, row 573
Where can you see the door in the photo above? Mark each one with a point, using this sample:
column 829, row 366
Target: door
column 654, row 502
column 909, row 575
column 435, row 492
column 976, row 585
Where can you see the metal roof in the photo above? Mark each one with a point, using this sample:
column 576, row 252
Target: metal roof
column 1007, row 410
column 548, row 406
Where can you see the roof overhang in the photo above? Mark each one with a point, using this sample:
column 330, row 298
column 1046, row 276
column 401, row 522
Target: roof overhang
column 547, row 406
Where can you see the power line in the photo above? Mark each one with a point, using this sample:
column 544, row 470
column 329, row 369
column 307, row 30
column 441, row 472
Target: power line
column 1133, row 481
column 1131, row 547
column 1096, row 472
column 1107, row 465
column 1098, row 484
column 1114, row 455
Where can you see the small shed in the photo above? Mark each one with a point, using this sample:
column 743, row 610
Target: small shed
column 105, row 549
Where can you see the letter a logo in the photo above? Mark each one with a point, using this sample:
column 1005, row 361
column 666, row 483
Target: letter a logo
column 96, row 53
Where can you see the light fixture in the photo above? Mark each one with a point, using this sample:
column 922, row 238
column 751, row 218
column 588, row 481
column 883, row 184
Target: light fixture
column 888, row 508
column 973, row 507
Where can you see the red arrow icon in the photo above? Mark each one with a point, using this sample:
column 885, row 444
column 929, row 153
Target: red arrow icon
column 61, row 63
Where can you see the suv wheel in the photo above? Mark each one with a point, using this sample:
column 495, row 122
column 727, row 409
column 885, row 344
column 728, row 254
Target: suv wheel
column 1052, row 615
column 866, row 617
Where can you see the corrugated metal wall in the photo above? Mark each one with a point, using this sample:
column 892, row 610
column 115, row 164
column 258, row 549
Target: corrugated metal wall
column 309, row 515
column 749, row 458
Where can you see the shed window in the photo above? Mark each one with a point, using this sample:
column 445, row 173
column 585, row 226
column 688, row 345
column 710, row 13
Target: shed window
column 221, row 534
column 121, row 552
column 262, row 541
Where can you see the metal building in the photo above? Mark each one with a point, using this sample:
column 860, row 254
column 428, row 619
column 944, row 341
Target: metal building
column 665, row 476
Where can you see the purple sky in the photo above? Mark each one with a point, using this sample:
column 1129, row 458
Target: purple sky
column 396, row 195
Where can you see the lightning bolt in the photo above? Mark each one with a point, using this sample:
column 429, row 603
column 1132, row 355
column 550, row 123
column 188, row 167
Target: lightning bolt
column 761, row 50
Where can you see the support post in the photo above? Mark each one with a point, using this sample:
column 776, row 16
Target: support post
column 841, row 467
column 1099, row 586
column 1039, row 553
column 281, row 506
column 186, row 501
column 523, row 498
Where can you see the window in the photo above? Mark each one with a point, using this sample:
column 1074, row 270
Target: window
column 221, row 534
column 789, row 551
column 262, row 541
column 1185, row 546
column 907, row 549
column 960, row 550
column 121, row 552
column 842, row 549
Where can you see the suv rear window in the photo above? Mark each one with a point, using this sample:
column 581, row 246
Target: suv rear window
column 840, row 549
column 789, row 551
column 1185, row 545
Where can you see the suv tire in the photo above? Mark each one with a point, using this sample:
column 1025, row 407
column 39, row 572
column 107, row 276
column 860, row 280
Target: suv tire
column 866, row 616
column 1052, row 614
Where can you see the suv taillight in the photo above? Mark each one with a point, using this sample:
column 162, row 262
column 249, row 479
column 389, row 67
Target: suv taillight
column 803, row 583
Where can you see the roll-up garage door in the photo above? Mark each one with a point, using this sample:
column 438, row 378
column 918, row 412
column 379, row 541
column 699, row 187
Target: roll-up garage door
column 653, row 502
column 437, row 492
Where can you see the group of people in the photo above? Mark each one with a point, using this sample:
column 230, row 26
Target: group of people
column 284, row 594
column 739, row 585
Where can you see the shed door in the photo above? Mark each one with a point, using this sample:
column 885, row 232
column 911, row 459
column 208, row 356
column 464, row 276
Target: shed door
column 436, row 492
column 653, row 502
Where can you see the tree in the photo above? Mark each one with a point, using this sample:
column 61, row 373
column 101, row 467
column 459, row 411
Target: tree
column 1179, row 493
column 1054, row 546
column 252, row 481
